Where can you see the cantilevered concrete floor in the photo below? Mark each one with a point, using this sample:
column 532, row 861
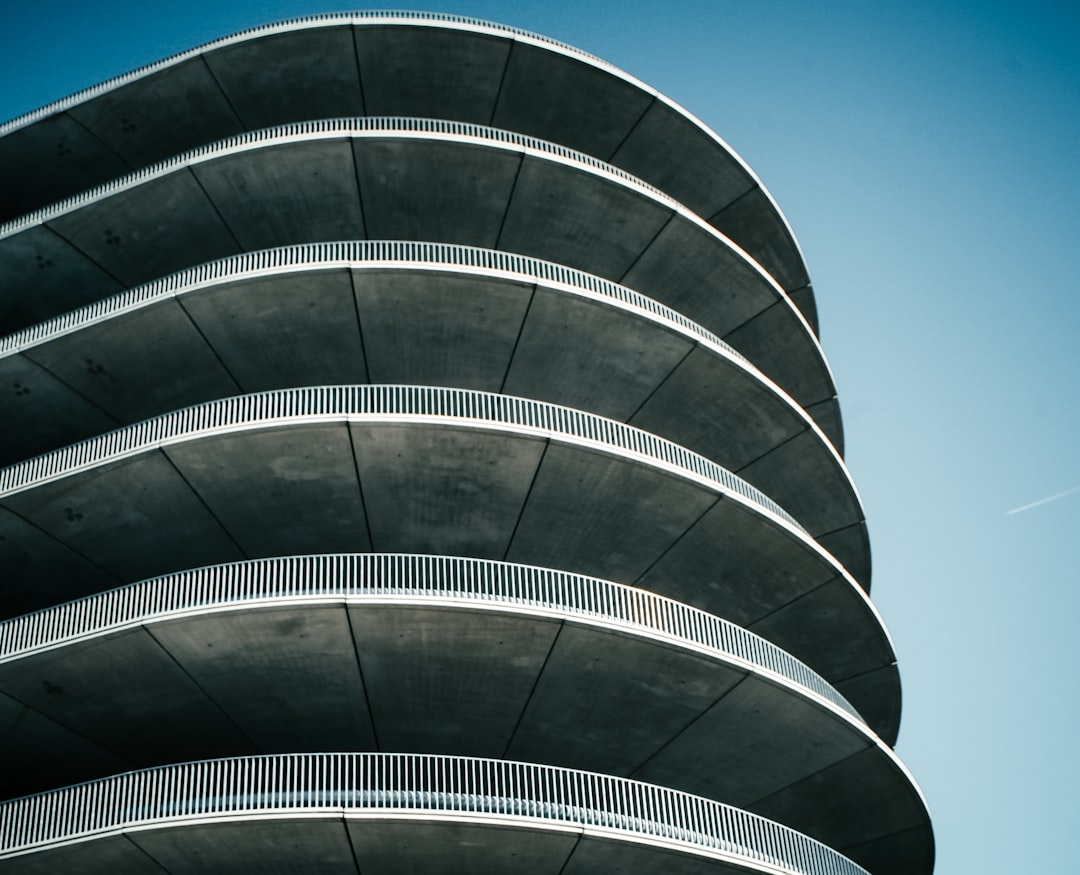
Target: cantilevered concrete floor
column 416, row 180
column 425, row 314
column 381, row 64
column 452, row 657
column 437, row 471
column 412, row 468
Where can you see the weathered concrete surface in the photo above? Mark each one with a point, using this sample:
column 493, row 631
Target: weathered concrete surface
column 833, row 505
column 695, row 177
column 375, row 484
column 770, row 340
column 819, row 602
column 132, row 519
column 756, row 757
column 711, row 558
column 613, row 521
column 827, row 415
column 145, row 232
column 431, row 72
column 50, row 571
column 284, row 330
column 910, row 849
column 126, row 695
column 453, row 681
column 430, row 489
column 428, row 326
column 303, row 475
column 603, row 232
column 261, row 78
column 400, row 185
column 57, row 756
column 75, row 158
column 413, row 675
column 752, row 221
column 422, row 190
column 705, row 281
column 466, row 74
column 443, row 329
column 590, row 356
column 852, row 542
column 139, row 122
column 879, row 691
column 699, row 405
column 316, row 844
column 150, row 362
column 47, row 277
column 598, row 706
column 100, row 856
column 573, row 104
column 286, row 677
column 50, row 413
column 300, row 193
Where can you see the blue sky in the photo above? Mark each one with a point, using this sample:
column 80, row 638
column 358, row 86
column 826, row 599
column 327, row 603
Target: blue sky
column 926, row 155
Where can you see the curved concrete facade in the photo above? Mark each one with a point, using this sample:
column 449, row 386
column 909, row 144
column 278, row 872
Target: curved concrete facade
column 498, row 660
column 422, row 65
column 417, row 313
column 416, row 179
column 465, row 396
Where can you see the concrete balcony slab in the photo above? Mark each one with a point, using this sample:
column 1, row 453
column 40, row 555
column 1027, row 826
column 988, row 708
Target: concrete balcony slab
column 253, row 323
column 413, row 179
column 389, row 64
column 451, row 656
column 396, row 468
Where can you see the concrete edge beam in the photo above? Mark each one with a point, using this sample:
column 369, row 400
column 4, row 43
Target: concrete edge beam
column 469, row 53
column 263, row 181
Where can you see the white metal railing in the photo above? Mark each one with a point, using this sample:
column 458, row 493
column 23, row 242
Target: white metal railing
column 406, row 575
column 480, row 408
column 354, row 783
column 370, row 17
column 344, row 127
column 361, row 126
column 358, row 254
column 367, row 16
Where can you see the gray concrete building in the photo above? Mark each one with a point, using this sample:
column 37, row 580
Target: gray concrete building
column 419, row 457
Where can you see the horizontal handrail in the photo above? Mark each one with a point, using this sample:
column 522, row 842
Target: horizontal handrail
column 343, row 127
column 401, row 126
column 354, row 783
column 331, row 18
column 359, row 254
column 483, row 408
column 372, row 17
column 406, row 575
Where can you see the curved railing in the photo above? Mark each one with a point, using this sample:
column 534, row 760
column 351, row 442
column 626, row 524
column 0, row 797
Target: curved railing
column 359, row 254
column 355, row 253
column 484, row 408
column 398, row 125
column 335, row 127
column 405, row 575
column 411, row 784
column 392, row 16
column 367, row 16
column 405, row 126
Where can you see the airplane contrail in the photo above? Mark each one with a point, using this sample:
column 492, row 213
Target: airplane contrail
column 1046, row 500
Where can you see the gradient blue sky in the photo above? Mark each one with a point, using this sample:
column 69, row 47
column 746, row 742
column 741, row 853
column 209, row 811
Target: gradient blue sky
column 928, row 158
